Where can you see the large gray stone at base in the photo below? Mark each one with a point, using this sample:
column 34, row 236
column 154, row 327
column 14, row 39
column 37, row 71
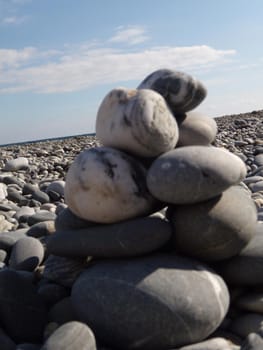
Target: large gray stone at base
column 73, row 335
column 128, row 238
column 155, row 302
column 194, row 174
column 216, row 229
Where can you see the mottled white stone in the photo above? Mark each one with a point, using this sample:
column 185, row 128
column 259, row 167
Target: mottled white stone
column 196, row 129
column 106, row 185
column 137, row 121
column 181, row 91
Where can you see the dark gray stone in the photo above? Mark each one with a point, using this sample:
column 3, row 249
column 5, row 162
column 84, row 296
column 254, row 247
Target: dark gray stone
column 40, row 216
column 128, row 238
column 66, row 220
column 250, row 301
column 28, row 346
column 71, row 336
column 8, row 239
column 41, row 196
column 27, row 254
column 41, row 229
column 246, row 269
column 216, row 229
column 51, row 292
column 155, row 302
column 194, row 174
column 22, row 312
column 181, row 91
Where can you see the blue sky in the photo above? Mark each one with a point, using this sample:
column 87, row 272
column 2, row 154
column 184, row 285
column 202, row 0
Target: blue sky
column 59, row 58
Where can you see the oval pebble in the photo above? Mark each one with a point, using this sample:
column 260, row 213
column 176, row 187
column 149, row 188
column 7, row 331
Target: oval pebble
column 16, row 164
column 196, row 129
column 106, row 186
column 194, row 174
column 216, row 229
column 27, row 254
column 73, row 335
column 210, row 344
column 181, row 91
column 143, row 307
column 136, row 121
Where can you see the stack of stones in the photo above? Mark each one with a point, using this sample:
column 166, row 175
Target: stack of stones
column 157, row 209
column 157, row 246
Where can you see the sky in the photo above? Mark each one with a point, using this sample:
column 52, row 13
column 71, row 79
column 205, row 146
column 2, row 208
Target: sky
column 60, row 58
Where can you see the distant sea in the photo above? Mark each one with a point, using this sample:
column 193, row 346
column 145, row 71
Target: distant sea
column 45, row 140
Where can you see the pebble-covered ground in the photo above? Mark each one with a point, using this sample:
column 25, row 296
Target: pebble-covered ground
column 32, row 196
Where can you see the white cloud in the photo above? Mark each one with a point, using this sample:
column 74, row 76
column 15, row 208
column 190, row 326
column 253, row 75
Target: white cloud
column 130, row 35
column 64, row 71
column 12, row 20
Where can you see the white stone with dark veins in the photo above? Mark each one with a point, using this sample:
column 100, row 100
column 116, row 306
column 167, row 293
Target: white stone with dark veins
column 105, row 185
column 136, row 121
column 181, row 91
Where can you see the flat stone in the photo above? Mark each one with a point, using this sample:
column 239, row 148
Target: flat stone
column 3, row 191
column 151, row 310
column 57, row 186
column 257, row 186
column 181, row 91
column 73, row 335
column 196, row 129
column 127, row 238
column 16, row 164
column 106, row 186
column 194, row 174
column 8, row 239
column 136, row 121
column 22, row 312
column 41, row 229
column 259, row 159
column 246, row 269
column 27, row 254
column 216, row 229
column 40, row 196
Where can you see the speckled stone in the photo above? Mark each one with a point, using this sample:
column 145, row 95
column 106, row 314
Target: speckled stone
column 143, row 307
column 216, row 229
column 136, row 121
column 105, row 185
column 196, row 129
column 73, row 335
column 181, row 91
column 128, row 238
column 193, row 174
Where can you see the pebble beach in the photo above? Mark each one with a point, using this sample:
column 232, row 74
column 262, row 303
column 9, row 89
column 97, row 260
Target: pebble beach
column 76, row 278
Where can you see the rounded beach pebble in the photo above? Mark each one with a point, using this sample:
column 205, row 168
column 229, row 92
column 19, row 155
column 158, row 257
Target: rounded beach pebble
column 73, row 335
column 196, row 129
column 155, row 302
column 136, row 121
column 106, row 185
column 181, row 91
column 216, row 229
column 193, row 174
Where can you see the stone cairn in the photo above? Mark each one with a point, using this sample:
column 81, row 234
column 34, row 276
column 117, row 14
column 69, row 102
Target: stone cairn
column 159, row 243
